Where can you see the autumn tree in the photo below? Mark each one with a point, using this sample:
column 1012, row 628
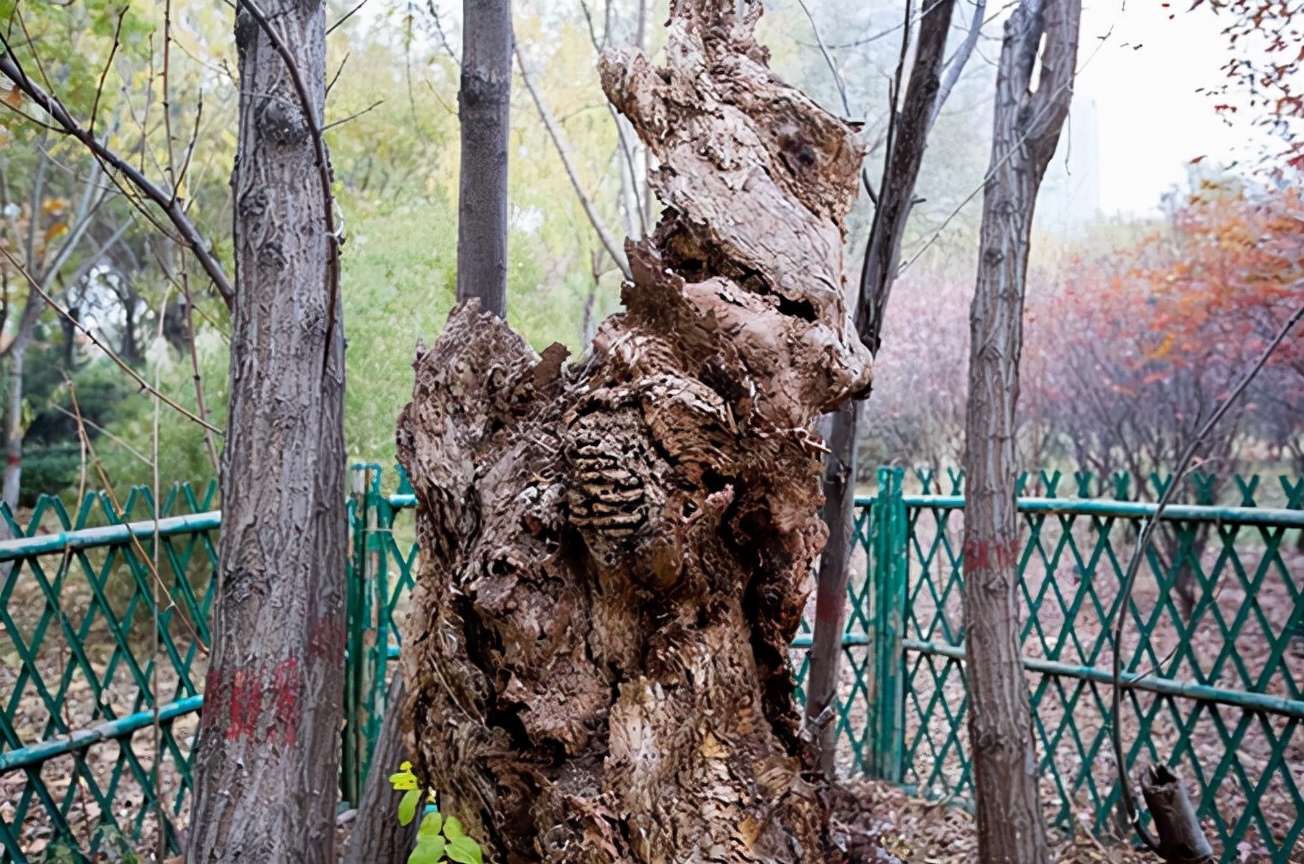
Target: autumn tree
column 1263, row 71
column 616, row 552
column 1028, row 118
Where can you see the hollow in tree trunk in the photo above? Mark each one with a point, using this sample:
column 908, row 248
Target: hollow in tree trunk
column 616, row 553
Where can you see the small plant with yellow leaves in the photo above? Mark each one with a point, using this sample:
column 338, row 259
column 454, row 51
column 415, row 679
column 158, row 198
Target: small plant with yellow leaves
column 438, row 839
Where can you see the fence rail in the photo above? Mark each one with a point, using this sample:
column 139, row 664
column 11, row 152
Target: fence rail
column 1214, row 690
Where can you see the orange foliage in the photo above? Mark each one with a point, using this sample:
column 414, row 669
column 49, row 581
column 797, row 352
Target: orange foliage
column 1144, row 342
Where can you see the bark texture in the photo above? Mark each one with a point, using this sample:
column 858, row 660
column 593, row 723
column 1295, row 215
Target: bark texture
column 1027, row 128
column 907, row 140
column 267, row 758
column 617, row 552
column 483, row 102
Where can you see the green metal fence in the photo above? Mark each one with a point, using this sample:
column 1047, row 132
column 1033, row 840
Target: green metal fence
column 83, row 668
column 1215, row 692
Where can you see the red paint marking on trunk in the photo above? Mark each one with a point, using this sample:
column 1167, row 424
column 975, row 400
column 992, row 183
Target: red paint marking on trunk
column 214, row 689
column 991, row 556
column 288, row 683
column 327, row 639
column 246, row 704
column 828, row 609
column 15, row 460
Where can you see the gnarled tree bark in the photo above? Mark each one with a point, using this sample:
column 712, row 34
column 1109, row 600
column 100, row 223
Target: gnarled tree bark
column 617, row 552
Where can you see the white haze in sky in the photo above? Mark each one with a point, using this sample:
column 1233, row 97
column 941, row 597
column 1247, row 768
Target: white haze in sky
column 1152, row 122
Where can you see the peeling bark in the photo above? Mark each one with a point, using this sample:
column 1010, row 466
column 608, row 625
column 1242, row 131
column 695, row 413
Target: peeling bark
column 616, row 553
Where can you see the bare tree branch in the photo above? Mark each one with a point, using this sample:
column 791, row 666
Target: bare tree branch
column 960, row 60
column 109, row 352
column 907, row 139
column 51, row 105
column 614, row 249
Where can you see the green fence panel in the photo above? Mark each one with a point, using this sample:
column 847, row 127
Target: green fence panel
column 1214, row 680
column 86, row 677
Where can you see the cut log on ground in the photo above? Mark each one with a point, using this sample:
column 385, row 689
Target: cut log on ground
column 617, row 552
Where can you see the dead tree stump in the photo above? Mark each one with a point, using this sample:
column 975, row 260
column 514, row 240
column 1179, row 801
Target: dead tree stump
column 617, row 552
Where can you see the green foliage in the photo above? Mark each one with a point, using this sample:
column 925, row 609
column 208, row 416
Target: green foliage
column 438, row 839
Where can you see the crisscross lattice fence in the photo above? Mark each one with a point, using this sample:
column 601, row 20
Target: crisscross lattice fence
column 1215, row 689
column 81, row 659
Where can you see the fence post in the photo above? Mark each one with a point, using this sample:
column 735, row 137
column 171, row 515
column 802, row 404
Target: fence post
column 352, row 757
column 380, row 526
column 888, row 588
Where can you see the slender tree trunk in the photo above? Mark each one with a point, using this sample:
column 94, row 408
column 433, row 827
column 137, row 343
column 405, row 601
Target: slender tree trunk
column 906, row 143
column 483, row 103
column 14, row 429
column 378, row 837
column 834, row 574
column 616, row 554
column 267, row 758
column 1027, row 127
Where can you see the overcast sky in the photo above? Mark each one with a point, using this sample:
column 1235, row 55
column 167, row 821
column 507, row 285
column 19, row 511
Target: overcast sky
column 1152, row 122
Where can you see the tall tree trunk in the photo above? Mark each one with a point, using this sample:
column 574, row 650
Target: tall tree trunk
column 14, row 430
column 1026, row 130
column 483, row 107
column 907, row 139
column 377, row 837
column 616, row 554
column 267, row 758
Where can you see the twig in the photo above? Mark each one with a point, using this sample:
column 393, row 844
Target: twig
column 338, row 72
column 159, row 816
column 842, row 89
column 347, row 16
column 1143, row 541
column 51, row 105
column 344, row 120
column 613, row 248
column 959, row 61
column 112, row 355
column 439, row 31
column 119, row 513
column 183, row 283
column 828, row 58
column 102, row 431
column 108, row 64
